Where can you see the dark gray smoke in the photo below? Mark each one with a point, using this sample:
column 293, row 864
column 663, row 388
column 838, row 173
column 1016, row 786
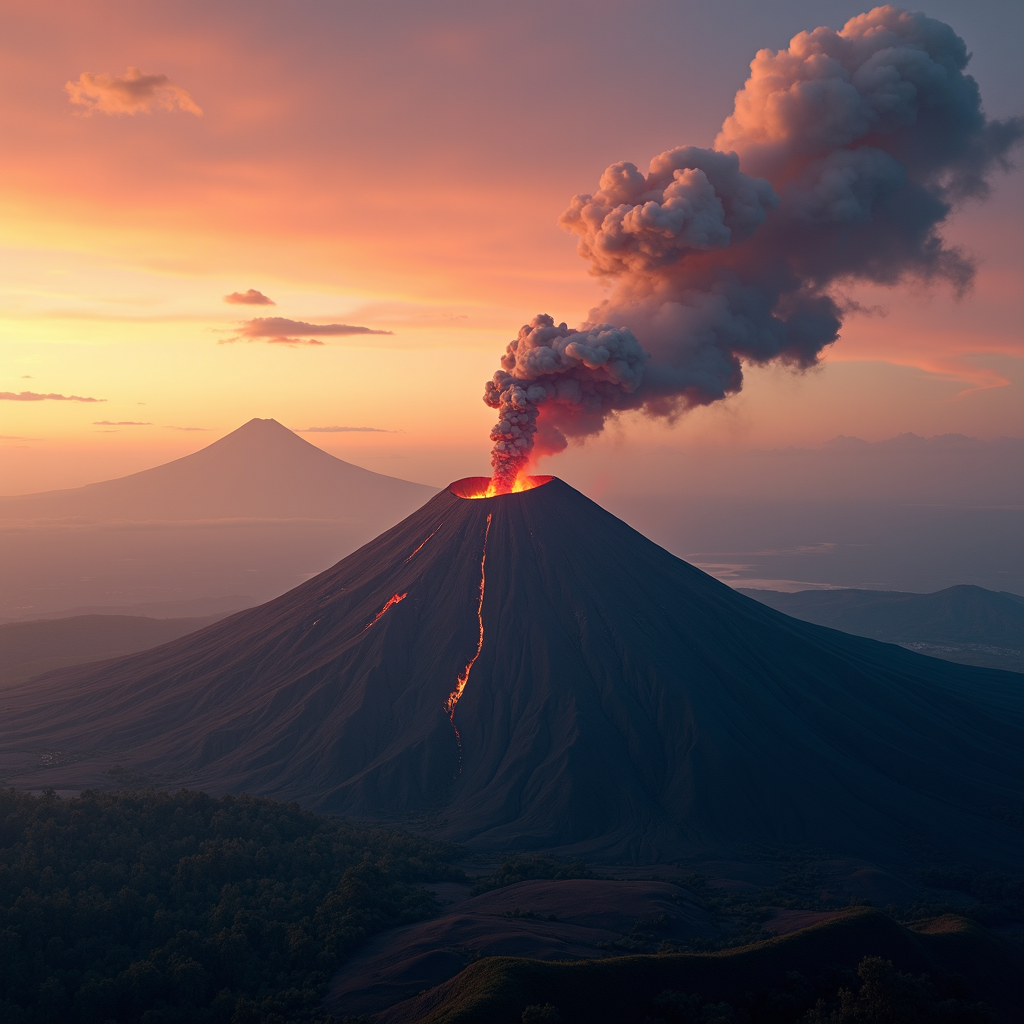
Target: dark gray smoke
column 842, row 159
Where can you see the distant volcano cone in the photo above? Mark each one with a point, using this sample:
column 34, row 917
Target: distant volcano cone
column 577, row 688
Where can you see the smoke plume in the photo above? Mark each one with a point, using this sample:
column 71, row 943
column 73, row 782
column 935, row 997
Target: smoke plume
column 842, row 158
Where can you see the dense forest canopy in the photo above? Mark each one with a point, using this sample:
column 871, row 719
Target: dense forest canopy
column 155, row 908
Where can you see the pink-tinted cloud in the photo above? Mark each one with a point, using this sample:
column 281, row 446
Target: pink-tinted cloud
column 130, row 93
column 345, row 430
column 32, row 396
column 120, row 423
column 278, row 330
column 251, row 297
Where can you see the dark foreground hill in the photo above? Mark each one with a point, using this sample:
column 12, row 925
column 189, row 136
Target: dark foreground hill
column 246, row 518
column 528, row 672
column 776, row 981
column 966, row 624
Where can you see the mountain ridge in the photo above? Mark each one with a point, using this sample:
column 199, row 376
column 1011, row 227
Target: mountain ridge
column 248, row 517
column 963, row 623
column 221, row 481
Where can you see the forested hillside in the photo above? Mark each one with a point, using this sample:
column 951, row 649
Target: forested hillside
column 149, row 908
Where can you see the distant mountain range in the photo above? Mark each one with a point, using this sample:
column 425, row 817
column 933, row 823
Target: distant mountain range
column 908, row 443
column 245, row 518
column 965, row 624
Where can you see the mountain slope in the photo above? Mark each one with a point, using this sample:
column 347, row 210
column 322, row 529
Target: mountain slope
column 967, row 624
column 618, row 701
column 262, row 470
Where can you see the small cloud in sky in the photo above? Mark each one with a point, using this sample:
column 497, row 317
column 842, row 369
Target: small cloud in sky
column 32, row 396
column 119, row 423
column 27, row 376
column 346, row 430
column 131, row 93
column 281, row 331
column 251, row 297
column 170, row 426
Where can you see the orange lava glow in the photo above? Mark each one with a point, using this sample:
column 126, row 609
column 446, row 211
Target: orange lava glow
column 423, row 543
column 485, row 487
column 460, row 685
column 394, row 599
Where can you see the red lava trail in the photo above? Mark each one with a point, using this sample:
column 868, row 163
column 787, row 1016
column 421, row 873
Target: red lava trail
column 420, row 548
column 394, row 599
column 453, row 697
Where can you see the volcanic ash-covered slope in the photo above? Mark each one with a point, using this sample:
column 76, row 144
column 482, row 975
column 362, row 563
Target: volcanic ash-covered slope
column 618, row 700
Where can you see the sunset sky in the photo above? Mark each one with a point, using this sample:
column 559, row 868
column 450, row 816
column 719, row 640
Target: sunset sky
column 400, row 167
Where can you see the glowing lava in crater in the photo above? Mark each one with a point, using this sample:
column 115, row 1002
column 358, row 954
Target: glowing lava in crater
column 486, row 487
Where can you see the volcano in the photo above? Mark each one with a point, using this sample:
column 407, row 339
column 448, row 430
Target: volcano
column 528, row 672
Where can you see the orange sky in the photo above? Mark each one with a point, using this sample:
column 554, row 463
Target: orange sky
column 401, row 166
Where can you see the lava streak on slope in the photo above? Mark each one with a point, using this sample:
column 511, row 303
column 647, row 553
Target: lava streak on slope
column 423, row 543
column 486, row 487
column 394, row 599
column 460, row 685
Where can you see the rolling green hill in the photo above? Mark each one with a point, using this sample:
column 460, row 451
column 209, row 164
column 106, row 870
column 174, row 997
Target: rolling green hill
column 777, row 980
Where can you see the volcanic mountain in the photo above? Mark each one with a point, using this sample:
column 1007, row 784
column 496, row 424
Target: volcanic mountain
column 526, row 671
column 261, row 470
column 227, row 527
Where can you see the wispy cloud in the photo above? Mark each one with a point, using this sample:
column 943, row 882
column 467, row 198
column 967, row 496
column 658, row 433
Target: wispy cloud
column 345, row 430
column 119, row 423
column 278, row 330
column 32, row 396
column 251, row 297
column 131, row 93
column 170, row 426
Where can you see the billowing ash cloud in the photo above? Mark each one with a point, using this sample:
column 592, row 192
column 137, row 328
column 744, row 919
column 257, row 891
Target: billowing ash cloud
column 842, row 159
column 574, row 374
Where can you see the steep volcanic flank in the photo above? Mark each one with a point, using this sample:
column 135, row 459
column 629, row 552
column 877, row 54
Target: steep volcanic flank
column 577, row 688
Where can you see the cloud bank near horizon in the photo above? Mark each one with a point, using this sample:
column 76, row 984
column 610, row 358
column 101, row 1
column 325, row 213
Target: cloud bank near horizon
column 33, row 396
column 279, row 330
column 345, row 430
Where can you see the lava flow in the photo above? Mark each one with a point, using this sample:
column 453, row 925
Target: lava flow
column 453, row 697
column 423, row 543
column 394, row 599
column 488, row 487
